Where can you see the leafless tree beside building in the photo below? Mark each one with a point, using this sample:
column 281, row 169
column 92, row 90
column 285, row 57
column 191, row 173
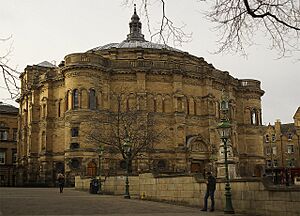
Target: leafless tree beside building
column 9, row 75
column 125, row 125
column 238, row 22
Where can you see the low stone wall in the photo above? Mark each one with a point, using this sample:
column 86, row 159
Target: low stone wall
column 248, row 196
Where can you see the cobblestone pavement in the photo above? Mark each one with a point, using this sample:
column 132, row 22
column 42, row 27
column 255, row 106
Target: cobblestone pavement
column 48, row 201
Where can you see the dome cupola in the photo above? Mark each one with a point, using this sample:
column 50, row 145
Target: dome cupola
column 135, row 27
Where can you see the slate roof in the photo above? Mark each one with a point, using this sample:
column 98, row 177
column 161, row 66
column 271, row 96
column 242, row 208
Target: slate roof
column 288, row 128
column 8, row 109
column 135, row 44
column 46, row 64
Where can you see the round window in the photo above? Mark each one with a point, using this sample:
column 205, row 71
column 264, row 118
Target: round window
column 75, row 163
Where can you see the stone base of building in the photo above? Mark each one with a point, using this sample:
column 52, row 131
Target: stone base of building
column 232, row 171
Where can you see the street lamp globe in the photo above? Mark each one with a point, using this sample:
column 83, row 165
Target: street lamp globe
column 126, row 146
column 100, row 150
column 224, row 129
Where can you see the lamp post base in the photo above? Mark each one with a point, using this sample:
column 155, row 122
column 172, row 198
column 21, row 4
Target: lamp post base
column 228, row 205
column 126, row 196
column 228, row 211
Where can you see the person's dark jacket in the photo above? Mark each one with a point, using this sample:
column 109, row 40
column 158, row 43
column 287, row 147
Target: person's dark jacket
column 211, row 183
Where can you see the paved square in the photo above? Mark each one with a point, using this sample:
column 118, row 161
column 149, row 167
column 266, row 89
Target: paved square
column 48, row 201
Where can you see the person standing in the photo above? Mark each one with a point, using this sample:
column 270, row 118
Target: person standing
column 61, row 182
column 210, row 192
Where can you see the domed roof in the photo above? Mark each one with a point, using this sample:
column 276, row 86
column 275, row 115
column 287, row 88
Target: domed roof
column 135, row 38
column 135, row 44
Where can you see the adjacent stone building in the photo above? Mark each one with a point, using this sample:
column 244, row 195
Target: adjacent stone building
column 8, row 144
column 282, row 144
column 179, row 90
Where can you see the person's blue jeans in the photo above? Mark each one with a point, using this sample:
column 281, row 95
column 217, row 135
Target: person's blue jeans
column 211, row 194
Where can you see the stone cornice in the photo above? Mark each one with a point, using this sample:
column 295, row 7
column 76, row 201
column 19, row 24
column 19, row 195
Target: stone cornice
column 92, row 67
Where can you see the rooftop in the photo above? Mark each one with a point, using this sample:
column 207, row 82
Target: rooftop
column 135, row 39
column 8, row 109
column 46, row 64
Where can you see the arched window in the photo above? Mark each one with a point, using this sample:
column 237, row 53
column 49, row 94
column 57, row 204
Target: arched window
column 253, row 117
column 267, row 138
column 92, row 99
column 161, row 165
column 58, row 108
column 75, row 99
column 67, row 100
column 273, row 137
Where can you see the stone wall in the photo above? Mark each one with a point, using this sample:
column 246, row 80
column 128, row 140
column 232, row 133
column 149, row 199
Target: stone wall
column 250, row 196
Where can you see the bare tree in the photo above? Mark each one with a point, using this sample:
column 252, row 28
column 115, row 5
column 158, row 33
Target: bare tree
column 238, row 21
column 10, row 75
column 135, row 127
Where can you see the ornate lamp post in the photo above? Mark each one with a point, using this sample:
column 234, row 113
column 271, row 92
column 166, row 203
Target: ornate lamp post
column 127, row 151
column 100, row 153
column 224, row 129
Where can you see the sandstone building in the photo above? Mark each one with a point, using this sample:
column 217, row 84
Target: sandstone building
column 282, row 144
column 179, row 90
column 8, row 144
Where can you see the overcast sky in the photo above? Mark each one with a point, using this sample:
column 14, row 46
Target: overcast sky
column 50, row 29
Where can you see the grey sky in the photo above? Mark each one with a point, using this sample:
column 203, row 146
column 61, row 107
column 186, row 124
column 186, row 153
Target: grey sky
column 50, row 29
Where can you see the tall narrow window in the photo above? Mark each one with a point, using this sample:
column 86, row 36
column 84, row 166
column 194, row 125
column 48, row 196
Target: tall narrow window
column 269, row 163
column 44, row 111
column 67, row 100
column 127, row 105
column 195, row 107
column 253, row 117
column 2, row 157
column 275, row 163
column 92, row 99
column 75, row 132
column 3, row 134
column 290, row 149
column 15, row 134
column 267, row 138
column 58, row 108
column 75, row 99
column 273, row 138
column 14, row 156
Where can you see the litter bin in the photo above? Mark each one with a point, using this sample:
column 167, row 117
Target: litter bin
column 94, row 186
